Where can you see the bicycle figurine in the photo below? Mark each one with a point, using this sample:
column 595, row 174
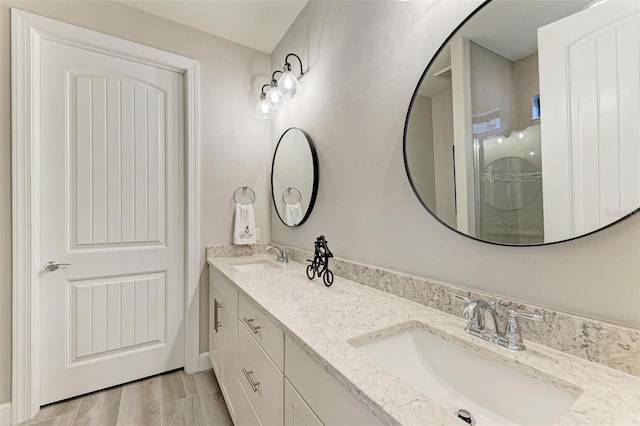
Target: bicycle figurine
column 320, row 264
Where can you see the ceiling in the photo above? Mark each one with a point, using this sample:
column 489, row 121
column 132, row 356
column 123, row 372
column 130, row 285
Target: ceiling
column 259, row 24
column 508, row 28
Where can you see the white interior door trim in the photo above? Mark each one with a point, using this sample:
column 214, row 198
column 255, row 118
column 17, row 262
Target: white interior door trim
column 27, row 32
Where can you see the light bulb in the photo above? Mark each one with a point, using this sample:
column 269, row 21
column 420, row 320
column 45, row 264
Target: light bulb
column 275, row 96
column 264, row 109
column 288, row 83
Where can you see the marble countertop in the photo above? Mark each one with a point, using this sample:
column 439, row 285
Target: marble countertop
column 327, row 321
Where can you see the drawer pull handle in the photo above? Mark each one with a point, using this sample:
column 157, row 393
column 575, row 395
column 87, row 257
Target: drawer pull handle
column 249, row 322
column 216, row 322
column 253, row 385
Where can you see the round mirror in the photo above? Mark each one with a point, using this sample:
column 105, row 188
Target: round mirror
column 521, row 130
column 294, row 177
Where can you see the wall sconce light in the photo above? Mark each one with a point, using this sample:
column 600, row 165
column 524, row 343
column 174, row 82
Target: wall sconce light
column 288, row 82
column 264, row 109
column 275, row 95
column 279, row 90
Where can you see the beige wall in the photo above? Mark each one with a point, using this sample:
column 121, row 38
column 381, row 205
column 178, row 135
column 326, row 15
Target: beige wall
column 235, row 146
column 365, row 60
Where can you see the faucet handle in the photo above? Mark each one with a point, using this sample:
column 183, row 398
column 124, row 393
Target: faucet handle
column 465, row 299
column 470, row 312
column 532, row 317
column 471, row 304
column 512, row 338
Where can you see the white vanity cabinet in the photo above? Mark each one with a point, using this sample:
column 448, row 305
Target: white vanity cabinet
column 330, row 402
column 260, row 379
column 266, row 378
column 296, row 411
column 223, row 336
column 215, row 337
column 266, row 334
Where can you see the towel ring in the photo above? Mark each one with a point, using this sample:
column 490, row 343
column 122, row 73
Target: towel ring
column 243, row 188
column 289, row 189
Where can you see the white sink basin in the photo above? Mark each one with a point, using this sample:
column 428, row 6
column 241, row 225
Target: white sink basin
column 255, row 266
column 457, row 378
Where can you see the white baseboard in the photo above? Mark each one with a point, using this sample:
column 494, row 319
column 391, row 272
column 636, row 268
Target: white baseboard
column 5, row 414
column 203, row 364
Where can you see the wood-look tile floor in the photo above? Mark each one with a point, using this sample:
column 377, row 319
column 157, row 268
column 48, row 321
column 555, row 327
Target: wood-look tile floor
column 173, row 398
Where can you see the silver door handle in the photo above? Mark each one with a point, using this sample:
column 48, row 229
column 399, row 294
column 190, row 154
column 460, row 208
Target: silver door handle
column 249, row 322
column 247, row 375
column 52, row 265
column 216, row 323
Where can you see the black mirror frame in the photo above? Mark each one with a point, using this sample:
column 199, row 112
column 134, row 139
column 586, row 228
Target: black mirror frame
column 314, row 190
column 406, row 160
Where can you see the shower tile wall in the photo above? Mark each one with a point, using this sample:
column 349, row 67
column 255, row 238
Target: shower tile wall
column 527, row 85
column 492, row 89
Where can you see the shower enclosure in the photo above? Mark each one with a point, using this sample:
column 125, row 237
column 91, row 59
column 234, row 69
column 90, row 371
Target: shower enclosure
column 508, row 187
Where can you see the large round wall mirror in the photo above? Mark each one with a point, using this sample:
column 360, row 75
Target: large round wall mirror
column 294, row 177
column 524, row 128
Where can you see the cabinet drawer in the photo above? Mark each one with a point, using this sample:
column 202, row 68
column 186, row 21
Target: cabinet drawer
column 260, row 380
column 266, row 333
column 296, row 410
column 332, row 403
column 227, row 290
column 246, row 415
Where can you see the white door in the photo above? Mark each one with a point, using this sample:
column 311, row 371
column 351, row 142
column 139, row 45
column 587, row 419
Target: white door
column 589, row 94
column 111, row 185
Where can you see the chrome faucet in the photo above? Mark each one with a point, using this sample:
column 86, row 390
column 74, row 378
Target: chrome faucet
column 482, row 322
column 482, row 319
column 282, row 255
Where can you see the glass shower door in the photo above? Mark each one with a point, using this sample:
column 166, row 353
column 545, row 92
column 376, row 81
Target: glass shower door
column 509, row 187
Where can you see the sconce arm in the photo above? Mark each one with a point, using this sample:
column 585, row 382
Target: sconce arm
column 288, row 65
column 273, row 76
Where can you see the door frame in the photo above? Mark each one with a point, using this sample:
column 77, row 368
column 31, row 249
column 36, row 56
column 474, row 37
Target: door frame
column 27, row 32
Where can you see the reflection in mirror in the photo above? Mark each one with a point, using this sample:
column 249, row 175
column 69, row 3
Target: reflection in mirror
column 294, row 177
column 524, row 128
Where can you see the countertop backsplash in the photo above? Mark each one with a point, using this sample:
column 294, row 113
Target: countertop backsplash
column 604, row 343
column 232, row 250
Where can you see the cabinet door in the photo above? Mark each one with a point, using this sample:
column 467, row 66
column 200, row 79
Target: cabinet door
column 215, row 332
column 331, row 402
column 229, row 333
column 296, row 410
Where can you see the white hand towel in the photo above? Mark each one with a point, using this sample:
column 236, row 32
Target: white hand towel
column 244, row 230
column 292, row 214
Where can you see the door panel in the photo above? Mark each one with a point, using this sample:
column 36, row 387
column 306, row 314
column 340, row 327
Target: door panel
column 112, row 197
column 118, row 179
column 115, row 315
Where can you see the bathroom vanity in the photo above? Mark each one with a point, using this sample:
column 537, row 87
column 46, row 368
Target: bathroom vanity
column 287, row 350
column 247, row 348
